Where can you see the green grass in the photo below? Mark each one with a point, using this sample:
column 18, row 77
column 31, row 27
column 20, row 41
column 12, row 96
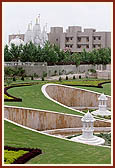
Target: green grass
column 55, row 150
column 83, row 82
column 33, row 97
column 106, row 89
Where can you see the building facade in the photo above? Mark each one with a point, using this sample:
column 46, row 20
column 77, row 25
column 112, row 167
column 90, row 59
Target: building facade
column 75, row 40
column 13, row 36
column 33, row 34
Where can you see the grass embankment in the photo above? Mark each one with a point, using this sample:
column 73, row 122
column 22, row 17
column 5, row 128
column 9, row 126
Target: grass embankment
column 106, row 89
column 33, row 97
column 55, row 151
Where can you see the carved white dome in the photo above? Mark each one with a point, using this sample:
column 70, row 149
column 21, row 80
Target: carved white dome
column 102, row 97
column 88, row 117
column 17, row 41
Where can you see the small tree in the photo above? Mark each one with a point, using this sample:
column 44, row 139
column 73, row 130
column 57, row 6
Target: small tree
column 8, row 81
column 60, row 79
column 42, row 78
column 66, row 77
column 22, row 78
column 14, row 79
column 74, row 77
column 32, row 78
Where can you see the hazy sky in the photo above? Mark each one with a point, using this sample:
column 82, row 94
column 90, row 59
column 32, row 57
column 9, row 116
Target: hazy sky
column 16, row 16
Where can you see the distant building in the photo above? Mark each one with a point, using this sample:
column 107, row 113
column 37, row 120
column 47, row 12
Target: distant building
column 17, row 41
column 13, row 36
column 34, row 35
column 76, row 40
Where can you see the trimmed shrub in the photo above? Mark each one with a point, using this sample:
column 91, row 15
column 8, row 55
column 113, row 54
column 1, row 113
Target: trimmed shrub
column 60, row 79
column 32, row 78
column 42, row 78
column 22, row 78
column 14, row 79
column 11, row 156
column 74, row 77
column 79, row 76
column 66, row 77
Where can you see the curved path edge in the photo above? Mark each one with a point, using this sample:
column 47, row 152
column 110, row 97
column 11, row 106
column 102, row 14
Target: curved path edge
column 46, row 95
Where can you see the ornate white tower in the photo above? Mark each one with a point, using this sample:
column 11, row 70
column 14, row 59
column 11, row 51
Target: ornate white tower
column 44, row 35
column 29, row 34
column 87, row 132
column 102, row 111
column 37, row 37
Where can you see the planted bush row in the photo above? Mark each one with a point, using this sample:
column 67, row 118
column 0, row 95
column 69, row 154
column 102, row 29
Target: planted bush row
column 11, row 156
column 27, row 153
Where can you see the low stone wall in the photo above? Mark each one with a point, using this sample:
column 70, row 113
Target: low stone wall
column 30, row 68
column 67, row 69
column 103, row 74
column 41, row 67
column 74, row 97
column 45, row 120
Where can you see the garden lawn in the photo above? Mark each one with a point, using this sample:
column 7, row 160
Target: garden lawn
column 106, row 89
column 32, row 97
column 55, row 150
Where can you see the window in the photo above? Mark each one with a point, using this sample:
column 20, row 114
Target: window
column 94, row 38
column 99, row 38
column 99, row 45
column 79, row 39
column 57, row 39
column 94, row 46
column 71, row 38
column 67, row 39
column 78, row 46
column 87, row 39
column 70, row 46
column 87, row 46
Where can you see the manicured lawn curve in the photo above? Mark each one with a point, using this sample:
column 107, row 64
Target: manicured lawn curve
column 106, row 89
column 15, row 155
column 55, row 150
column 86, row 83
column 33, row 97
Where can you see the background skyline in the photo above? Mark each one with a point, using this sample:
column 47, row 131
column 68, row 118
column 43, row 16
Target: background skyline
column 17, row 15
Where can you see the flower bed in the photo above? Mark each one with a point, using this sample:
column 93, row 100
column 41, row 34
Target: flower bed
column 15, row 155
column 88, row 83
column 11, row 156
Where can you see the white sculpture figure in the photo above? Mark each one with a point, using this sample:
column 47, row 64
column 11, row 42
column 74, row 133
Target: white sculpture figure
column 102, row 111
column 87, row 132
